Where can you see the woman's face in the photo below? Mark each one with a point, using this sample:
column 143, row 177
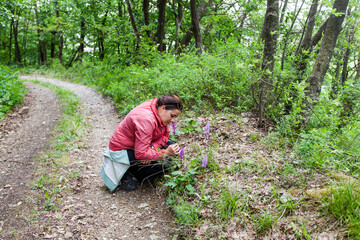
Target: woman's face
column 167, row 116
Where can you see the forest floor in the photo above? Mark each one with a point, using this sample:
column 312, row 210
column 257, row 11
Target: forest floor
column 86, row 210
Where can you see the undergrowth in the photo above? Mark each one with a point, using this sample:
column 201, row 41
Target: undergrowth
column 12, row 91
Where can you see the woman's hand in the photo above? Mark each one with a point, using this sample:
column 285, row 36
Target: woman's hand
column 172, row 150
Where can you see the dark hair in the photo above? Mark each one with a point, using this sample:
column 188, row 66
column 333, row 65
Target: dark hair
column 170, row 102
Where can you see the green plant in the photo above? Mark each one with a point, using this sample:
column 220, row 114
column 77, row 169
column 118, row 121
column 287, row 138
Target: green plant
column 182, row 183
column 187, row 214
column 344, row 204
column 263, row 222
column 228, row 203
column 49, row 203
column 303, row 232
column 190, row 125
column 12, row 90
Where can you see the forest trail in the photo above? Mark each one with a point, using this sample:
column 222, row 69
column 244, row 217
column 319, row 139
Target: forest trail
column 90, row 212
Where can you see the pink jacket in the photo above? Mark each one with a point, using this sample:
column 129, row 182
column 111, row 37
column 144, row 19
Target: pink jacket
column 141, row 128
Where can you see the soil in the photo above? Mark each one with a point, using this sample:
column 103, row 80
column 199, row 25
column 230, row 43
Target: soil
column 90, row 212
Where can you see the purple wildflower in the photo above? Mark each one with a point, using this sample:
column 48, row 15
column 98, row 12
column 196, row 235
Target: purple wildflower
column 182, row 153
column 173, row 126
column 207, row 131
column 204, row 161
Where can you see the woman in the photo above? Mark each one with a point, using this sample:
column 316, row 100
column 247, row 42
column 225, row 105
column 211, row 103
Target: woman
column 140, row 141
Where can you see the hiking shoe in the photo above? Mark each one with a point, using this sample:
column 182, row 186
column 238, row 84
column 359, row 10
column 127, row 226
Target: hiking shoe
column 128, row 182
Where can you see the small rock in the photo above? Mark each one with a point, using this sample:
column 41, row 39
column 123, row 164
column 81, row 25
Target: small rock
column 270, row 179
column 318, row 194
column 24, row 110
column 154, row 237
column 62, row 179
column 68, row 235
column 245, row 120
column 88, row 202
column 286, row 197
column 143, row 205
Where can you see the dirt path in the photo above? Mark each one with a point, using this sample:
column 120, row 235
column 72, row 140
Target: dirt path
column 91, row 212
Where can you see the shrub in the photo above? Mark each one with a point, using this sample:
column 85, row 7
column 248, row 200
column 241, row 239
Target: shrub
column 12, row 91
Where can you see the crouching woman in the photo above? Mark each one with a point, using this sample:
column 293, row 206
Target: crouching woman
column 140, row 144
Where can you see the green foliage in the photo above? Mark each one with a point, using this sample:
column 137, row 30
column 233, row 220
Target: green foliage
column 187, row 214
column 344, row 204
column 12, row 91
column 228, row 204
column 202, row 82
column 263, row 222
column 181, row 183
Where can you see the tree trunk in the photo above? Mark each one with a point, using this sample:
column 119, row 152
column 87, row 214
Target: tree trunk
column 270, row 27
column 82, row 40
column 306, row 42
column 52, row 44
column 305, row 47
column 349, row 37
column 178, row 20
column 196, row 24
column 333, row 28
column 161, row 25
column 10, row 39
column 357, row 76
column 16, row 42
column 133, row 23
column 146, row 5
column 41, row 44
column 202, row 10
column 60, row 33
column 288, row 35
column 283, row 11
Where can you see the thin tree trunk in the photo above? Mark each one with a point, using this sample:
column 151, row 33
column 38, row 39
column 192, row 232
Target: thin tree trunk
column 41, row 47
column 306, row 42
column 283, row 11
column 82, row 40
column 161, row 25
column 270, row 28
column 357, row 76
column 146, row 5
column 202, row 10
column 10, row 39
column 133, row 23
column 196, row 24
column 178, row 20
column 333, row 28
column 271, row 24
column 52, row 45
column 60, row 33
column 16, row 42
column 305, row 46
column 349, row 37
column 288, row 35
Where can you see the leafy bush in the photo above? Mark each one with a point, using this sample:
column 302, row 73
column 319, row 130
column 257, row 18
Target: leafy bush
column 202, row 82
column 12, row 91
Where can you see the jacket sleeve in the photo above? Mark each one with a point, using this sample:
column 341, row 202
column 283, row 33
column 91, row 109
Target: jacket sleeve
column 143, row 134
